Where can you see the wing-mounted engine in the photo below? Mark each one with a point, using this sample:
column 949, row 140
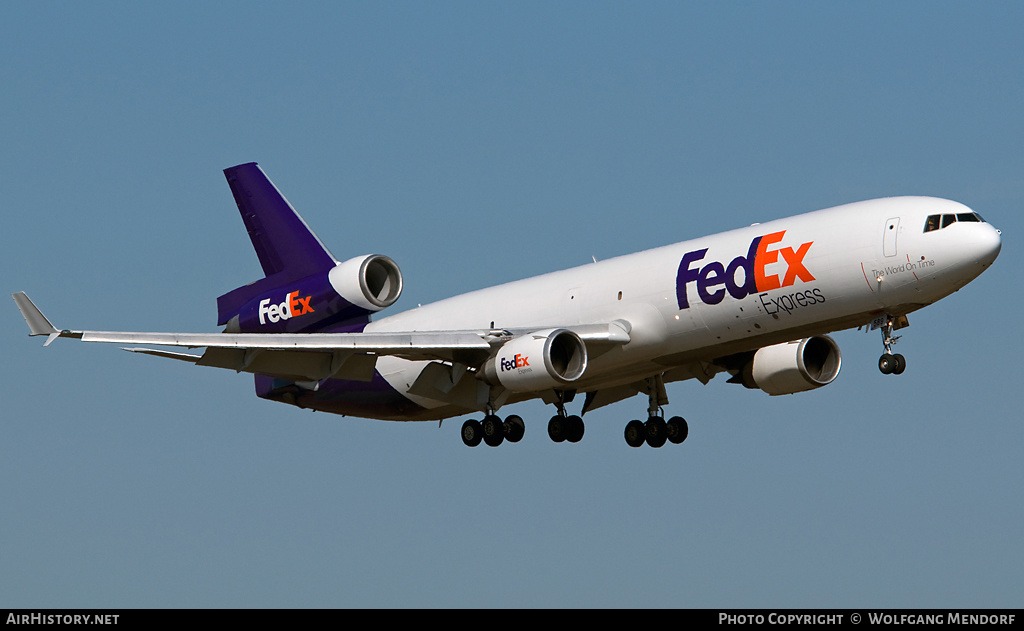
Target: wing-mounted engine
column 338, row 299
column 793, row 367
column 551, row 358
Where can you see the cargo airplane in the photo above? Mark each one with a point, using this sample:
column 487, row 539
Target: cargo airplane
column 755, row 303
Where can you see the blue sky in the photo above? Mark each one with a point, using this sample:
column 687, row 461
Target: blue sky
column 477, row 143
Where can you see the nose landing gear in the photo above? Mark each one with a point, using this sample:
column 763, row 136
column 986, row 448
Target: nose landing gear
column 889, row 363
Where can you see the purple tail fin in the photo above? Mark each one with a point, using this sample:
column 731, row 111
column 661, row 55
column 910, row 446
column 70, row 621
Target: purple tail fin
column 288, row 250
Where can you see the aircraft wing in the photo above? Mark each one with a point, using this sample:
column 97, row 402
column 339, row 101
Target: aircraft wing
column 314, row 356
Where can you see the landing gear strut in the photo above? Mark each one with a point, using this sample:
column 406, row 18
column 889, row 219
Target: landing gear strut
column 889, row 363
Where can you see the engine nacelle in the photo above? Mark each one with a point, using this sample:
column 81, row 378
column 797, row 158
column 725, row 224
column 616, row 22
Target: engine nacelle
column 333, row 299
column 795, row 366
column 372, row 282
column 545, row 359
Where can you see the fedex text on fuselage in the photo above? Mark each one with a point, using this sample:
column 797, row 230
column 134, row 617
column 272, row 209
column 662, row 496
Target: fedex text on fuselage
column 714, row 279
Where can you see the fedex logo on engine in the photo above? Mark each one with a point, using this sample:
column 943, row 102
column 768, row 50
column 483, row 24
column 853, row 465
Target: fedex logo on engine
column 714, row 279
column 292, row 306
column 517, row 361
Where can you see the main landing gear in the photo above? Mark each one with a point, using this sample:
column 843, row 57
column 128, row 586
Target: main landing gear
column 492, row 431
column 563, row 427
column 566, row 428
column 889, row 363
column 570, row 428
column 656, row 431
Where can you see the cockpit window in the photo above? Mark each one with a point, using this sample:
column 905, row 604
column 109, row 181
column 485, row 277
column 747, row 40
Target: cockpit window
column 933, row 221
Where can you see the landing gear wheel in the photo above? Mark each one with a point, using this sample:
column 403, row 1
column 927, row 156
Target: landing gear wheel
column 677, row 430
column 901, row 364
column 657, row 431
column 472, row 433
column 887, row 364
column 576, row 429
column 635, row 434
column 558, row 429
column 514, row 428
column 493, row 430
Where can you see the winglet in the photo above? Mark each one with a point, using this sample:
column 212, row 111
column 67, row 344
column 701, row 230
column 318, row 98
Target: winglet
column 37, row 322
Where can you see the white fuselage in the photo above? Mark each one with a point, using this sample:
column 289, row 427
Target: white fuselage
column 813, row 273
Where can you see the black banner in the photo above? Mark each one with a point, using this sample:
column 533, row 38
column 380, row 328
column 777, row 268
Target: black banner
column 720, row 617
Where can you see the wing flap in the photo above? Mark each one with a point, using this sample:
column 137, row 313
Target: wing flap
column 441, row 382
column 185, row 357
column 292, row 365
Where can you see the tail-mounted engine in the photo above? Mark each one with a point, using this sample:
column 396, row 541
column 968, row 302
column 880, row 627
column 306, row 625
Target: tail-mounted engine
column 551, row 358
column 371, row 282
column 304, row 288
column 793, row 367
column 341, row 298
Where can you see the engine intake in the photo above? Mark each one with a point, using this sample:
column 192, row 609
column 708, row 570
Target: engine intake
column 793, row 367
column 544, row 359
column 372, row 282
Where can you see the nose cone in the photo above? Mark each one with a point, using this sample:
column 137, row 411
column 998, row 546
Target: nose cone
column 986, row 243
column 974, row 247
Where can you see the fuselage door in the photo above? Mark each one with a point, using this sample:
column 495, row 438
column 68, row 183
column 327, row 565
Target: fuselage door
column 892, row 229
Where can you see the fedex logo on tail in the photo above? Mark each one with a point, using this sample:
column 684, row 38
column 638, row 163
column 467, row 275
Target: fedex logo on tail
column 292, row 306
column 714, row 279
